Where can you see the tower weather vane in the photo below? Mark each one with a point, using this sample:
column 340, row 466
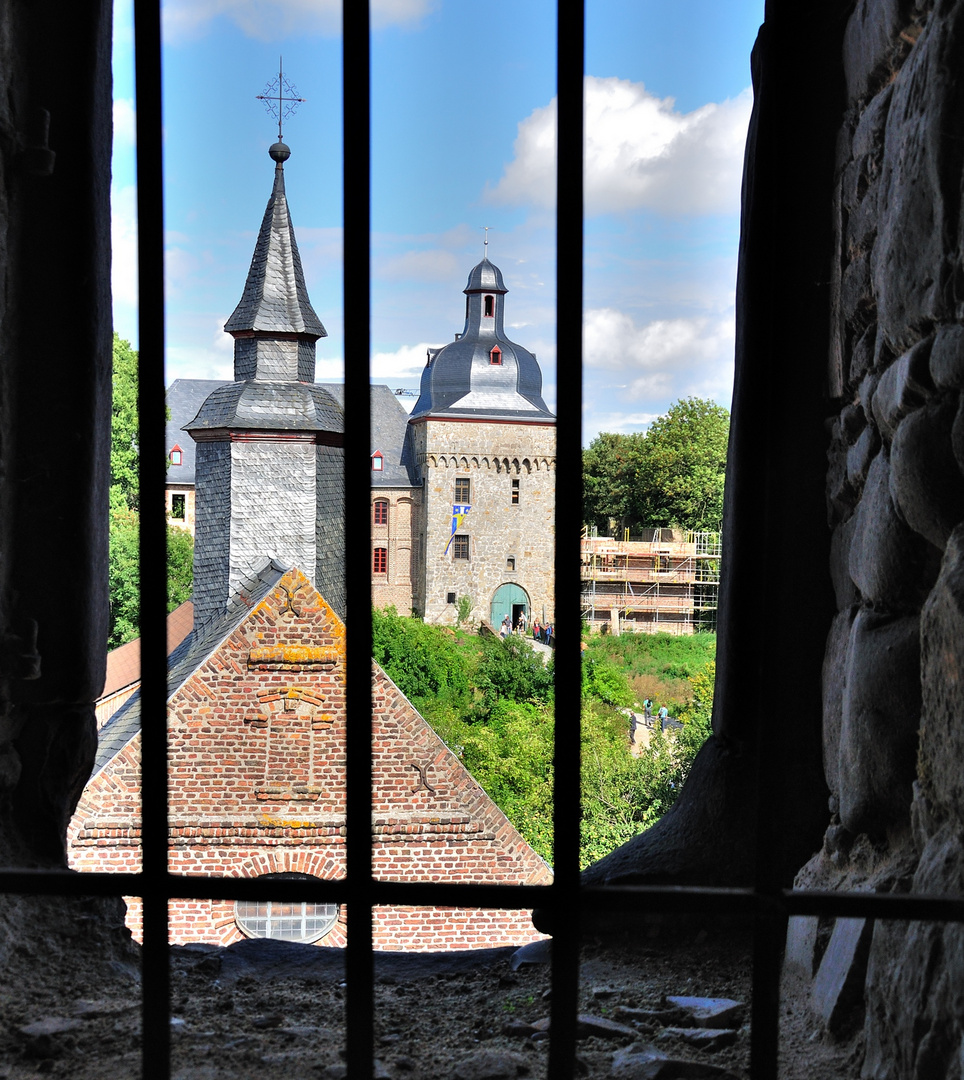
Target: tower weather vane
column 275, row 101
column 485, row 242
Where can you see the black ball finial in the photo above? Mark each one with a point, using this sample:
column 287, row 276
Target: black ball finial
column 279, row 152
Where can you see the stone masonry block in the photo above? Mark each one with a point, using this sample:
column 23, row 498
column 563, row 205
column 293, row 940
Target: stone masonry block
column 837, row 994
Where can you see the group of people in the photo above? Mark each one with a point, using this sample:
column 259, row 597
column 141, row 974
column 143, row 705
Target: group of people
column 545, row 634
column 662, row 716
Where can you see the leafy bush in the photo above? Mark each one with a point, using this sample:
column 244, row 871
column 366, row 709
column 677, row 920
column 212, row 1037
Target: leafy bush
column 511, row 670
column 423, row 661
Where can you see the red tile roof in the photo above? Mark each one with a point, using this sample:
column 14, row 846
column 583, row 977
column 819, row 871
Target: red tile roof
column 124, row 662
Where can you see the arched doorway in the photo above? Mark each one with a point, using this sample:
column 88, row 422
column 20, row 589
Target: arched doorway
column 509, row 599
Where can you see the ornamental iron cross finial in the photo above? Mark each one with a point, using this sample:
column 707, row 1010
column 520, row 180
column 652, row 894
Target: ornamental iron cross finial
column 485, row 242
column 275, row 98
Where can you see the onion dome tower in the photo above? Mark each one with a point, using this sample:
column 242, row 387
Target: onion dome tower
column 482, row 374
column 485, row 443
column 269, row 456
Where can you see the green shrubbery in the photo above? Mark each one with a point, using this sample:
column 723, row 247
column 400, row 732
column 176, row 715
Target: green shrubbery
column 491, row 702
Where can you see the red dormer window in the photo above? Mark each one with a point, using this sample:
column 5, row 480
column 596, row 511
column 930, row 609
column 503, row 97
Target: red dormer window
column 177, row 455
column 378, row 461
column 495, row 356
column 488, row 309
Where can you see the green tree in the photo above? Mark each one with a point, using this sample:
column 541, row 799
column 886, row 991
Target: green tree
column 123, row 424
column 670, row 477
column 180, row 566
column 123, row 568
column 511, row 670
column 681, row 466
column 123, row 571
column 423, row 661
column 609, row 477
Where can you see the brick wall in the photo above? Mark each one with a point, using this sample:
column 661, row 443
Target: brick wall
column 256, row 766
column 395, row 587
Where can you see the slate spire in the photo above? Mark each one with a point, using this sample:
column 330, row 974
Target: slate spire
column 268, row 467
column 274, row 326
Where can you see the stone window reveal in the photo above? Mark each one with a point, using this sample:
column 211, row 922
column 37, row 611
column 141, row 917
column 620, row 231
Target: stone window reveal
column 462, row 489
column 460, row 547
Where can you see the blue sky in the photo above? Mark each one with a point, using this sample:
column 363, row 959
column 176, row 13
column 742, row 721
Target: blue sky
column 463, row 136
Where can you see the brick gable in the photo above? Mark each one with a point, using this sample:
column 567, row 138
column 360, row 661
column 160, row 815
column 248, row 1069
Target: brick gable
column 256, row 771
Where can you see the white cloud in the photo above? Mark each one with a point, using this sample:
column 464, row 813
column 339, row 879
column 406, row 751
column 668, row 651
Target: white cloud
column 125, row 124
column 403, row 365
column 434, row 265
column 666, row 358
column 123, row 240
column 271, row 20
column 640, row 153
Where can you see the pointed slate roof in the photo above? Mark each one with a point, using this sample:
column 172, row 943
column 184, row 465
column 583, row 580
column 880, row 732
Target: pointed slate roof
column 275, row 299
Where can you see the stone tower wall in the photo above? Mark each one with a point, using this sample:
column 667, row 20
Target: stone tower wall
column 893, row 711
column 490, row 456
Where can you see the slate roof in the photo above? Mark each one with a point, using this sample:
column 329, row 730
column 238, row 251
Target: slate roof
column 390, row 429
column 184, row 400
column 391, row 434
column 269, row 406
column 186, row 659
column 461, row 381
column 275, row 298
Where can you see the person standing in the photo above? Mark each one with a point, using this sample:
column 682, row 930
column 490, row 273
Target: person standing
column 632, row 729
column 648, row 712
column 663, row 717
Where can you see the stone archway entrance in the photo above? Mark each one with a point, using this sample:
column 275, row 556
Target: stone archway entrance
column 509, row 599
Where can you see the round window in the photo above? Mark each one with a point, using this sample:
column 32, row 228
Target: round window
column 289, row 920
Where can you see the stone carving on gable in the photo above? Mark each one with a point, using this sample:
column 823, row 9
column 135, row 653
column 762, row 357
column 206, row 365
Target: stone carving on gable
column 292, row 721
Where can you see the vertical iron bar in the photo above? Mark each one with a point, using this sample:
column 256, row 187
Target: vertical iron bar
column 360, row 1022
column 155, row 1031
column 570, row 44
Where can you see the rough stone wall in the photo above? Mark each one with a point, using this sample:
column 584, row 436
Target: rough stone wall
column 257, row 756
column 490, row 456
column 395, row 587
column 893, row 693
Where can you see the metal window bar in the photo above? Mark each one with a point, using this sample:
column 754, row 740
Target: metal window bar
column 769, row 905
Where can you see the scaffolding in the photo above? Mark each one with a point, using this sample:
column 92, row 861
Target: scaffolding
column 662, row 581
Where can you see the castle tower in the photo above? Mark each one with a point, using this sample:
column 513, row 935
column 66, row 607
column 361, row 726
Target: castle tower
column 269, row 445
column 486, row 444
